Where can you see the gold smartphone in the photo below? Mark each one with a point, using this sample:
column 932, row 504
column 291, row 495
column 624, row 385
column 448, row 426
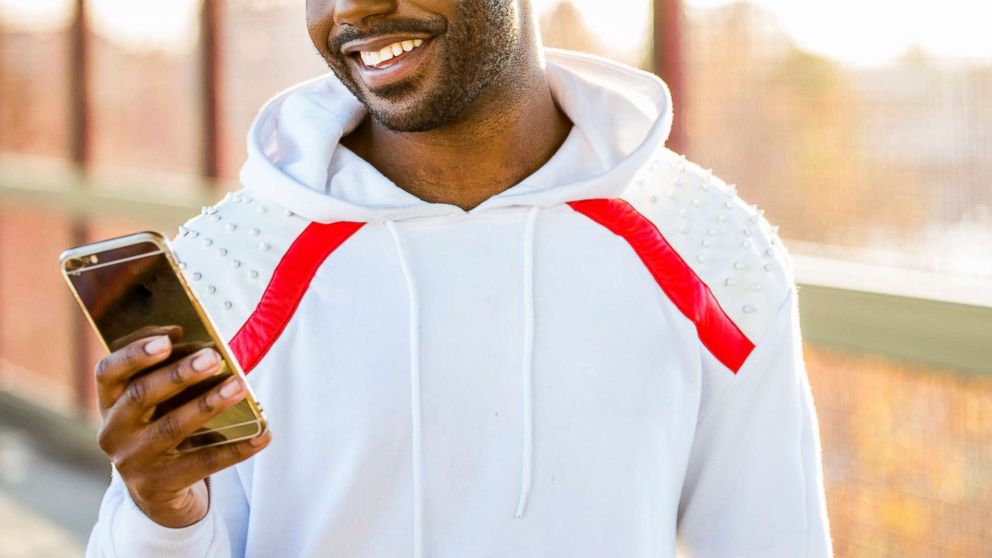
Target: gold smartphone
column 131, row 284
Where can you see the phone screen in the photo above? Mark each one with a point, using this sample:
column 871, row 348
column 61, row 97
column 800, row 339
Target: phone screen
column 130, row 290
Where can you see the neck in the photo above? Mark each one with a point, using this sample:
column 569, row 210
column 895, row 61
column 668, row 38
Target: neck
column 504, row 136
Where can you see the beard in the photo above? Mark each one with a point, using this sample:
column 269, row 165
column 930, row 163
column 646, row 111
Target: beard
column 479, row 43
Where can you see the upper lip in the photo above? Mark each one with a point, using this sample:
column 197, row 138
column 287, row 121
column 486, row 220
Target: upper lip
column 376, row 43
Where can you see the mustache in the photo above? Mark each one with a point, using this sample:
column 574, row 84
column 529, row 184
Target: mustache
column 432, row 26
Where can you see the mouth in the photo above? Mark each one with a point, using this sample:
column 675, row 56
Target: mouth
column 389, row 54
column 386, row 60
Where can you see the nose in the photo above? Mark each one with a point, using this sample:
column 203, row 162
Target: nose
column 357, row 12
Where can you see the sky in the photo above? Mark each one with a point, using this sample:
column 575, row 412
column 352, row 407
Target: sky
column 860, row 32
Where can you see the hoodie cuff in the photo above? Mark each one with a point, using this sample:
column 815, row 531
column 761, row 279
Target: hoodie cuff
column 135, row 534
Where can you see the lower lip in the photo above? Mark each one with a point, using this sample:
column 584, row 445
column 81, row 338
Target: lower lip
column 396, row 72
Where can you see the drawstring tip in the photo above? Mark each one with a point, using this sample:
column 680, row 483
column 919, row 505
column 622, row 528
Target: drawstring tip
column 520, row 508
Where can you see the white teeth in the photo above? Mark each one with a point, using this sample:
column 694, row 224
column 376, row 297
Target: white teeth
column 374, row 58
column 371, row 58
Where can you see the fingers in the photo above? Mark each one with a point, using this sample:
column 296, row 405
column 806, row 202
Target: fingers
column 174, row 332
column 142, row 394
column 132, row 445
column 169, row 430
column 192, row 467
column 115, row 370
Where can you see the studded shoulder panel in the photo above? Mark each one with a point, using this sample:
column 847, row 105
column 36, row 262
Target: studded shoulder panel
column 229, row 252
column 726, row 242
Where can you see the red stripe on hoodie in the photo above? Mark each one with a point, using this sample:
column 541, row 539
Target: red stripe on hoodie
column 289, row 283
column 686, row 290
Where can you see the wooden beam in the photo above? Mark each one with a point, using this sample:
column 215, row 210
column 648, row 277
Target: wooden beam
column 669, row 57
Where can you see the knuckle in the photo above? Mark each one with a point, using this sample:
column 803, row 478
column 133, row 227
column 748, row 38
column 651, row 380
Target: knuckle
column 177, row 373
column 168, row 428
column 105, row 440
column 136, row 393
column 131, row 355
column 102, row 370
column 205, row 404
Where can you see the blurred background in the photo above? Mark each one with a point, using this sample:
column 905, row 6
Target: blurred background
column 863, row 127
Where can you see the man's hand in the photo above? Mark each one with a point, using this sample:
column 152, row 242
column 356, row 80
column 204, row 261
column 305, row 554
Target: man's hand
column 167, row 485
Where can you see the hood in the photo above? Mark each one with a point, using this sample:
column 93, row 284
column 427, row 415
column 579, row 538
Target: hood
column 295, row 159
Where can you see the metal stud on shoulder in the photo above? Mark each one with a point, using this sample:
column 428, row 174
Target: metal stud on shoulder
column 288, row 213
column 211, row 289
column 228, row 305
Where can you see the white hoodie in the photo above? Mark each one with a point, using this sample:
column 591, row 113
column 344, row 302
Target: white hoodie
column 601, row 361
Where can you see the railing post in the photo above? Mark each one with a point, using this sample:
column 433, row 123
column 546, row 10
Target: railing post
column 79, row 151
column 668, row 63
column 210, row 84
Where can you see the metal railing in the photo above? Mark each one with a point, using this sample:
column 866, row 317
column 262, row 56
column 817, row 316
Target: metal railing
column 939, row 320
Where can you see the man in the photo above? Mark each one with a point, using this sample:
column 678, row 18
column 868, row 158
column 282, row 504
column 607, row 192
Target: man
column 488, row 313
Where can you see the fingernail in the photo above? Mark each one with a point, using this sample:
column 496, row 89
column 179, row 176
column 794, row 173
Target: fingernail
column 231, row 388
column 260, row 440
column 205, row 361
column 157, row 345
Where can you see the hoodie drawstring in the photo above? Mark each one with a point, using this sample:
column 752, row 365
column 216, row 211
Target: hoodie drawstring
column 526, row 459
column 526, row 452
column 418, row 512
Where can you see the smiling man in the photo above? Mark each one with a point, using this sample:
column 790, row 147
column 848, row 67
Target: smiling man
column 488, row 313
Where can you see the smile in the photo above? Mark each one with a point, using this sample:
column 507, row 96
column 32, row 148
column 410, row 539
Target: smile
column 388, row 60
column 389, row 54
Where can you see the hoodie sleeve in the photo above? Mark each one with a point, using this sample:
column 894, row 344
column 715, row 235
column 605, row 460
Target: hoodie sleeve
column 754, row 486
column 124, row 531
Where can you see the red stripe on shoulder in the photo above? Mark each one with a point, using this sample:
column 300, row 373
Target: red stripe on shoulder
column 289, row 283
column 687, row 291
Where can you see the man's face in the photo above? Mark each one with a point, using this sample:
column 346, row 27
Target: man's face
column 415, row 64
